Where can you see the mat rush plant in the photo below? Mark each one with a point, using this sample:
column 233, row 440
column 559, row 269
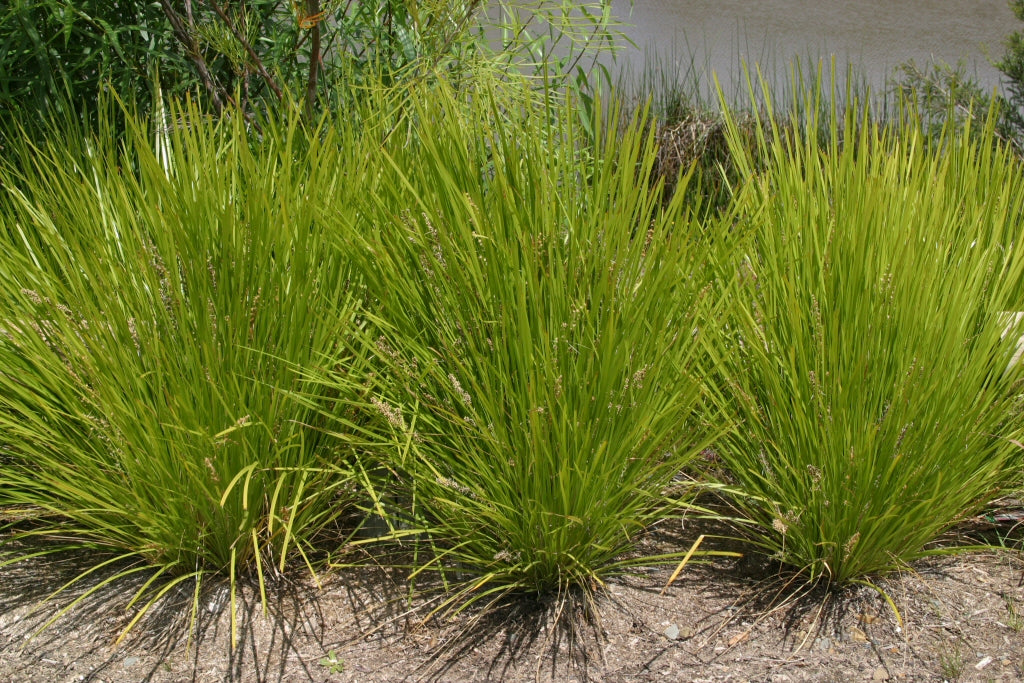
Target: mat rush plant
column 155, row 311
column 869, row 370
column 538, row 317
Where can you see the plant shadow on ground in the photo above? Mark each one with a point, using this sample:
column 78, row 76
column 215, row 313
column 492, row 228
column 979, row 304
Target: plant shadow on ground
column 731, row 617
column 563, row 628
column 754, row 587
column 563, row 636
column 266, row 647
column 919, row 614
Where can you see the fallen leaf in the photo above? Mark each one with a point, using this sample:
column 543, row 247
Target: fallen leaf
column 739, row 638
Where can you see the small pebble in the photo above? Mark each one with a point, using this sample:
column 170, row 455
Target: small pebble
column 672, row 632
column 130, row 662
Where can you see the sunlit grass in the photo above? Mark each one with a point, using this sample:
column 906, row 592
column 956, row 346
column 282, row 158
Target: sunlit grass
column 869, row 370
column 538, row 317
column 492, row 332
column 159, row 301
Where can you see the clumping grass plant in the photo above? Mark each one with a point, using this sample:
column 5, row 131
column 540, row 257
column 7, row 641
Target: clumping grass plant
column 158, row 303
column 538, row 315
column 869, row 372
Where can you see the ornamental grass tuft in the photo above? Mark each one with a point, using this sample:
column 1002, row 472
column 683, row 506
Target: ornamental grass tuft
column 159, row 301
column 538, row 319
column 870, row 372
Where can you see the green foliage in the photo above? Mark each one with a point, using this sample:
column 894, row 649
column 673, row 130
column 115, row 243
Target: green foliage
column 1012, row 65
column 538, row 317
column 260, row 54
column 944, row 91
column 869, row 368
column 334, row 664
column 951, row 663
column 56, row 51
column 158, row 304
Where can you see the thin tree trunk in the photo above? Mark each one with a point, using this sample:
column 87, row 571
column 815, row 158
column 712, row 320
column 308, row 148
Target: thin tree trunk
column 313, row 15
column 260, row 68
column 188, row 41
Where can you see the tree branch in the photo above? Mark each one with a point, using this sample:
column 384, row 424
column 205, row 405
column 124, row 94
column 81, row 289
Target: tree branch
column 262, row 70
column 313, row 14
column 191, row 46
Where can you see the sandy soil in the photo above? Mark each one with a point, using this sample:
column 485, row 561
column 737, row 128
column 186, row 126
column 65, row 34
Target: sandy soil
column 961, row 618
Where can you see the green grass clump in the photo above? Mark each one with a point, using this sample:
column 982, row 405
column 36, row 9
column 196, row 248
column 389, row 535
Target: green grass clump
column 538, row 319
column 158, row 303
column 869, row 370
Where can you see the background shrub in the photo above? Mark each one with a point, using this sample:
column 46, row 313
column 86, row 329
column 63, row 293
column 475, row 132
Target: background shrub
column 258, row 55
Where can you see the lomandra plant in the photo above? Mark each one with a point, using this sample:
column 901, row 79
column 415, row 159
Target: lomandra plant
column 537, row 319
column 870, row 374
column 158, row 303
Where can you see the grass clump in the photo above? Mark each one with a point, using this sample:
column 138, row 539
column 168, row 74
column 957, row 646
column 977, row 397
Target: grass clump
column 869, row 369
column 158, row 303
column 538, row 318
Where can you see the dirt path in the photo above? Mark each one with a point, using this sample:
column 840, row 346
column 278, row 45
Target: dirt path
column 962, row 619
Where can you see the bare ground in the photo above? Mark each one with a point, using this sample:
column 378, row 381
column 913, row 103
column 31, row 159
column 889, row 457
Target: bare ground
column 960, row 618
